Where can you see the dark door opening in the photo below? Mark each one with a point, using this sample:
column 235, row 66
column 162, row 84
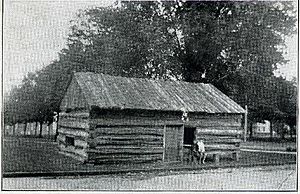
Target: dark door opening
column 189, row 135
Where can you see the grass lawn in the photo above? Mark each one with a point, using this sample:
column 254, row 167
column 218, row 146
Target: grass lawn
column 21, row 154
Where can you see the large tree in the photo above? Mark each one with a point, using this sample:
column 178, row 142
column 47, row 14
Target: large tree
column 199, row 41
column 234, row 45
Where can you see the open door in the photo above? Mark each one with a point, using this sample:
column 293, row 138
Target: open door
column 189, row 135
column 173, row 143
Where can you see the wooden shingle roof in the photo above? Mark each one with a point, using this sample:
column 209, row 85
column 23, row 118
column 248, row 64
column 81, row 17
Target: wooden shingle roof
column 108, row 92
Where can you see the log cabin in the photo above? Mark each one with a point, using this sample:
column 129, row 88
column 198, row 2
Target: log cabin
column 111, row 119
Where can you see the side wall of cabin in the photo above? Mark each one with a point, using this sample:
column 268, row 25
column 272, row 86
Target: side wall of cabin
column 125, row 137
column 221, row 133
column 142, row 136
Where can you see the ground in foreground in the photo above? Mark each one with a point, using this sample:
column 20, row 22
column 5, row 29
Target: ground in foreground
column 37, row 155
column 270, row 178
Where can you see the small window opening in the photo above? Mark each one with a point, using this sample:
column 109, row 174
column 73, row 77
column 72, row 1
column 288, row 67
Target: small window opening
column 70, row 141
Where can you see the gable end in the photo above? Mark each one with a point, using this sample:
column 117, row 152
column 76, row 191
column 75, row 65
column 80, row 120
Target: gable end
column 74, row 98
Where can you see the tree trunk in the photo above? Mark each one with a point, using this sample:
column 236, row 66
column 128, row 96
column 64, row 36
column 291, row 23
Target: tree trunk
column 14, row 129
column 251, row 130
column 25, row 128
column 41, row 129
column 271, row 130
column 35, row 130
column 4, row 130
column 49, row 129
column 56, row 130
column 282, row 131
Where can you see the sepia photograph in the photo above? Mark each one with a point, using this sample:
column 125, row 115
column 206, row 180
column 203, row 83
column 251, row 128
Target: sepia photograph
column 149, row 96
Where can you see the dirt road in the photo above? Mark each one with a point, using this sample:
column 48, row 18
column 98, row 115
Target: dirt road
column 257, row 178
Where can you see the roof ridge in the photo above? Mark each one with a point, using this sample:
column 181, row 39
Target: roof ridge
column 141, row 78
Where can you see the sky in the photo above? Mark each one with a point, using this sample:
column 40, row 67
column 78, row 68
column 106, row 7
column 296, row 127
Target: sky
column 34, row 31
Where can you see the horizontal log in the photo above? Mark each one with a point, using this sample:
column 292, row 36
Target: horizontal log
column 128, row 150
column 216, row 141
column 126, row 147
column 131, row 154
column 211, row 137
column 73, row 150
column 76, row 157
column 128, row 138
column 215, row 116
column 74, row 123
column 221, row 146
column 238, row 128
column 116, row 134
column 74, row 132
column 212, row 123
column 208, row 131
column 210, row 150
column 222, row 152
column 126, row 157
column 142, row 121
column 225, row 145
column 82, row 114
column 215, row 138
column 161, row 122
column 129, row 130
column 126, row 143
column 168, row 116
column 61, row 137
column 119, row 158
column 80, row 143
column 61, row 142
column 127, row 161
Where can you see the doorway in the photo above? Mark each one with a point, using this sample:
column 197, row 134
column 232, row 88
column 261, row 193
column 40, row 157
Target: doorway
column 188, row 135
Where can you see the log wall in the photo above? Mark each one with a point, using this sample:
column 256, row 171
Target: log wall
column 74, row 125
column 115, row 144
column 138, row 117
column 221, row 134
column 141, row 134
column 138, row 136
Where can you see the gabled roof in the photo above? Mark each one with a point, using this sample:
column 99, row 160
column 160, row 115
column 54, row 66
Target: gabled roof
column 108, row 92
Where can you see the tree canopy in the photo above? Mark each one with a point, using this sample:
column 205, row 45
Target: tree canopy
column 234, row 45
